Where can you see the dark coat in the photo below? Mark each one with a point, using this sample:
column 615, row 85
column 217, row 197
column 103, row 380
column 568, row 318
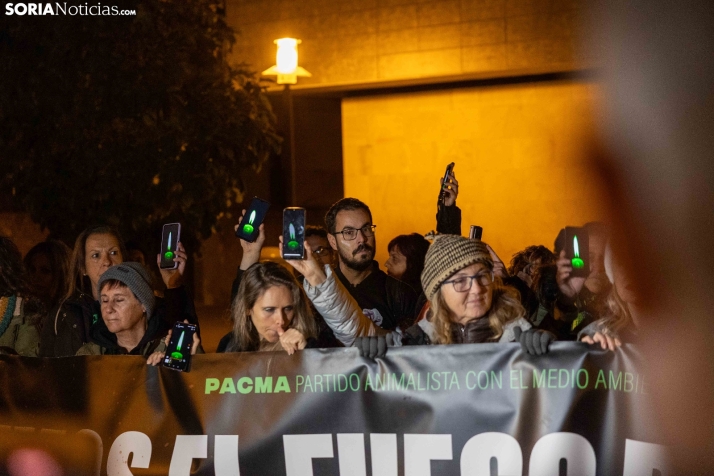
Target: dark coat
column 104, row 342
column 227, row 341
column 395, row 300
column 68, row 328
column 325, row 338
column 448, row 219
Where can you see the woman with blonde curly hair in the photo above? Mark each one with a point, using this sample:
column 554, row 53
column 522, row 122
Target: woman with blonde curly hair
column 469, row 304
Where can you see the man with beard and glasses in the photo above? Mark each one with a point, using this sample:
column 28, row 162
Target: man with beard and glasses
column 390, row 303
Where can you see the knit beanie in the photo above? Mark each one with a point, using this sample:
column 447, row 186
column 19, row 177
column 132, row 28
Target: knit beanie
column 136, row 279
column 446, row 256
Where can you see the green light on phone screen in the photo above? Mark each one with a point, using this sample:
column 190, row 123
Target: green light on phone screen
column 248, row 227
column 576, row 261
column 169, row 254
column 292, row 244
column 177, row 354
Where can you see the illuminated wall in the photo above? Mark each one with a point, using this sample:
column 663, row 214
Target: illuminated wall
column 369, row 41
column 518, row 155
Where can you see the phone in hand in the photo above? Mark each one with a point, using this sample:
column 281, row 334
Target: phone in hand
column 475, row 232
column 577, row 250
column 445, row 181
column 254, row 216
column 178, row 352
column 170, row 236
column 294, row 233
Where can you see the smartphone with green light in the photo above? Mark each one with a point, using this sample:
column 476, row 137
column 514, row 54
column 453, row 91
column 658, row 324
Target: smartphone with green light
column 294, row 233
column 577, row 250
column 178, row 352
column 254, row 216
column 170, row 236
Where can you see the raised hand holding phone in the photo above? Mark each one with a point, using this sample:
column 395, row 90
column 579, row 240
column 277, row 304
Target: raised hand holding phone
column 252, row 218
column 173, row 277
column 309, row 267
column 170, row 237
column 446, row 184
column 294, row 233
column 569, row 285
column 450, row 190
column 251, row 250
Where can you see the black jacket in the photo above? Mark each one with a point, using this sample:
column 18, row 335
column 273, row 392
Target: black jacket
column 156, row 330
column 325, row 338
column 76, row 316
column 227, row 340
column 394, row 301
column 448, row 219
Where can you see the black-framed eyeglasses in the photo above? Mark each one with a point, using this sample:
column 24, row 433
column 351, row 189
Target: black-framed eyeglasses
column 321, row 251
column 350, row 234
column 464, row 283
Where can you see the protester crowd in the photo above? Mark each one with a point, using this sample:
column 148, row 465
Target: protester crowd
column 100, row 299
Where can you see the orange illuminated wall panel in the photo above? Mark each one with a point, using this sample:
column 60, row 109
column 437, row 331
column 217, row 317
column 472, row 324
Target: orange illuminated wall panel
column 518, row 151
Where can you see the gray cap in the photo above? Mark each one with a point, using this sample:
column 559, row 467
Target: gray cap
column 136, row 279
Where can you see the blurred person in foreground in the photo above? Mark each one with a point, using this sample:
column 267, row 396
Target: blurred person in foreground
column 655, row 162
column 19, row 314
column 622, row 317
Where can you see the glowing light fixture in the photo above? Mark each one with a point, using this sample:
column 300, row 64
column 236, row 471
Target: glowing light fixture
column 286, row 62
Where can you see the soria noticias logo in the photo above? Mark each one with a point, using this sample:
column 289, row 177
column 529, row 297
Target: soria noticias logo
column 63, row 9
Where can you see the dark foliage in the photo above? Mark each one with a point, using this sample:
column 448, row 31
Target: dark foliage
column 132, row 121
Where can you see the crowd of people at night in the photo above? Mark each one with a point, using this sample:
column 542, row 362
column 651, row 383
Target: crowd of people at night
column 99, row 298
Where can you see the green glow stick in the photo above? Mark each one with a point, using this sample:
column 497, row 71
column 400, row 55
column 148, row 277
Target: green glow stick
column 177, row 354
column 292, row 244
column 169, row 254
column 576, row 261
column 248, row 227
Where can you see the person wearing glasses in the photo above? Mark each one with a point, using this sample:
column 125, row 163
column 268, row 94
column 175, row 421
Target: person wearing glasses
column 316, row 238
column 388, row 302
column 469, row 303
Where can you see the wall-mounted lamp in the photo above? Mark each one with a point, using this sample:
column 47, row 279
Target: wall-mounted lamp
column 286, row 62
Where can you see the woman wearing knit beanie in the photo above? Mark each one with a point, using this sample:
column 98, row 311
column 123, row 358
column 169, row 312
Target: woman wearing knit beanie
column 469, row 304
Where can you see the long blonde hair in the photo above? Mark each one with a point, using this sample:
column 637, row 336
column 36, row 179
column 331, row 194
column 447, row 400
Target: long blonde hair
column 505, row 307
column 617, row 314
column 256, row 280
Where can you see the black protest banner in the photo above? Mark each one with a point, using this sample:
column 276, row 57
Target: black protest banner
column 464, row 409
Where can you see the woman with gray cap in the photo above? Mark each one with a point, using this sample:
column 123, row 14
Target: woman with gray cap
column 469, row 304
column 128, row 324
